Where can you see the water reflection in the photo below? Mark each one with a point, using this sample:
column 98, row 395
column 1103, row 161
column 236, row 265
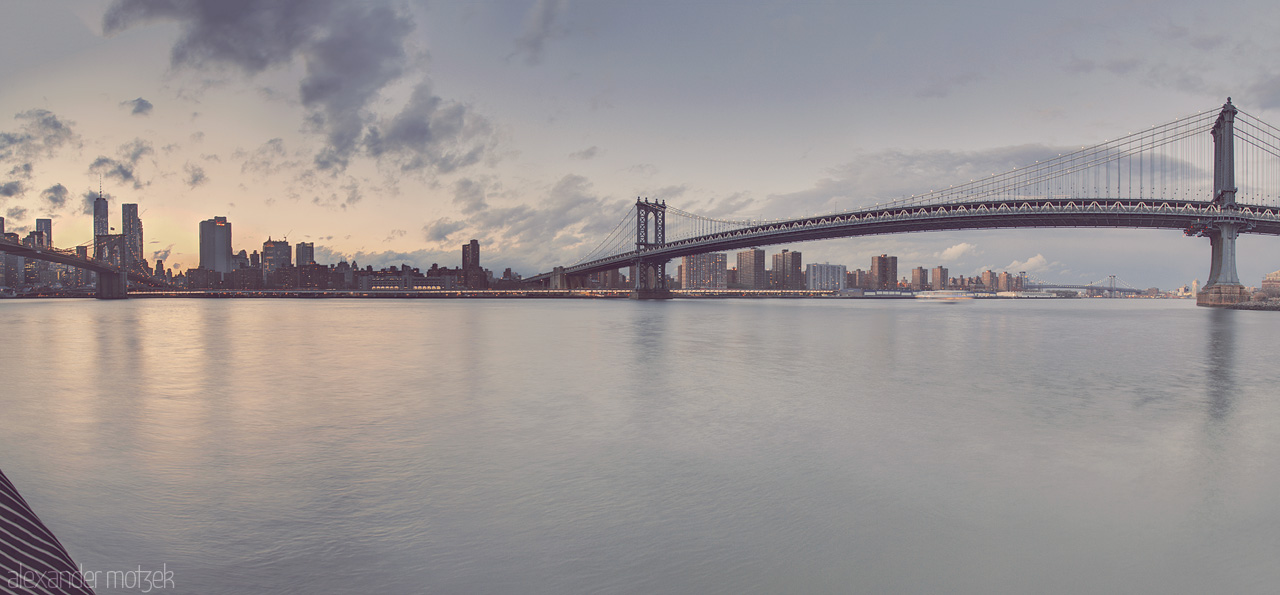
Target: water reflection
column 1220, row 361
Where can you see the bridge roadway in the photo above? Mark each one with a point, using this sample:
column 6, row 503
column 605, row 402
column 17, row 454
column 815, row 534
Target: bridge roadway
column 70, row 258
column 1007, row 213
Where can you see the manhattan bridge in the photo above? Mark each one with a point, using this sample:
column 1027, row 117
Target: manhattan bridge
column 1215, row 174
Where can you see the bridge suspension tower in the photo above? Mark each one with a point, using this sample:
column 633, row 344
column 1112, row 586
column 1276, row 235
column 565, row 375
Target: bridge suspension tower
column 649, row 274
column 1223, row 286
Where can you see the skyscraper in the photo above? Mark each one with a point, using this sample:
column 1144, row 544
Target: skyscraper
column 100, row 226
column 131, row 228
column 473, row 274
column 45, row 226
column 751, row 269
column 215, row 245
column 306, row 253
column 275, row 254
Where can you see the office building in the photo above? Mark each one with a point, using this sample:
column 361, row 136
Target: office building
column 704, row 271
column 884, row 272
column 752, row 273
column 306, row 253
column 215, row 245
column 275, row 255
column 45, row 226
column 825, row 277
column 131, row 229
column 100, row 226
column 787, row 271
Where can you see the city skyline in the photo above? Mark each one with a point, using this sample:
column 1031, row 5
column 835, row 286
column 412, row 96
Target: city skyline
column 531, row 126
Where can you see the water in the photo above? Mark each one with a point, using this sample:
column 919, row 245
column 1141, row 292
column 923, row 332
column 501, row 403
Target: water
column 763, row 446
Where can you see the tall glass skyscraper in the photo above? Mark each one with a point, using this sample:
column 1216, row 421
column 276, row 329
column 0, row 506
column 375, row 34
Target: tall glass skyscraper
column 215, row 245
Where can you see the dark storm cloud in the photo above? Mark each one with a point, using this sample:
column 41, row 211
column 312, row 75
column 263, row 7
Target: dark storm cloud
column 10, row 189
column 141, row 107
column 40, row 135
column 56, row 195
column 195, row 175
column 432, row 133
column 542, row 23
column 350, row 51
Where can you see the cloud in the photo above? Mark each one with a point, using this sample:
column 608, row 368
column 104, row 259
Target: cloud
column 87, row 199
column 469, row 194
column 1034, row 264
column 956, row 252
column 892, row 174
column 350, row 52
column 56, row 195
column 541, row 24
column 141, row 107
column 440, row 229
column 124, row 168
column 195, row 175
column 22, row 170
column 431, row 133
column 40, row 135
column 585, row 154
column 11, row 189
column 162, row 254
column 268, row 159
column 18, row 213
column 395, row 235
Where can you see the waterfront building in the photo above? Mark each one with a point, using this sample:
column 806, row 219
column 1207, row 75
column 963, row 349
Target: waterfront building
column 704, row 271
column 473, row 274
column 919, row 279
column 1271, row 284
column 989, row 280
column 940, row 277
column 306, row 253
column 787, row 270
column 751, row 269
column 884, row 272
column 215, row 245
column 825, row 277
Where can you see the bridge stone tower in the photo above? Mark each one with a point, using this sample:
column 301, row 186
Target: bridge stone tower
column 111, row 248
column 649, row 275
column 1223, row 286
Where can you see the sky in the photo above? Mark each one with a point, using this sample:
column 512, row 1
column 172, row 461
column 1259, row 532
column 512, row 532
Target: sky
column 394, row 131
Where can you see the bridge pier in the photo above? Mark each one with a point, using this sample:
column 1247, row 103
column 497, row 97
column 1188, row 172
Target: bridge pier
column 113, row 286
column 650, row 280
column 1223, row 287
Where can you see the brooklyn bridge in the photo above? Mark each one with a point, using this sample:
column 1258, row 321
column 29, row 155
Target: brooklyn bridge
column 1215, row 174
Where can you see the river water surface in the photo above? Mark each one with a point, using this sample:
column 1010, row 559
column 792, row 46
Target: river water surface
column 611, row 446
